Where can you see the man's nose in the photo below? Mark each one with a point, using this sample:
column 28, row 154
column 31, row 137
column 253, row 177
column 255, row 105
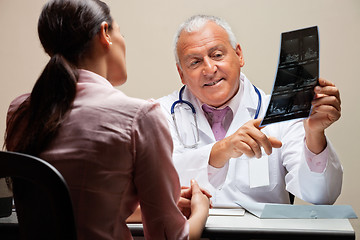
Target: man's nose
column 209, row 67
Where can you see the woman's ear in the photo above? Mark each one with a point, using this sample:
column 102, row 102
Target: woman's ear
column 104, row 34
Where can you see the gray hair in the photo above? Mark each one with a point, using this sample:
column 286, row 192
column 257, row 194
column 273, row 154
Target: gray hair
column 196, row 22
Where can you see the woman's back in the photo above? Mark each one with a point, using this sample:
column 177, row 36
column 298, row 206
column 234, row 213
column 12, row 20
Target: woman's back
column 113, row 151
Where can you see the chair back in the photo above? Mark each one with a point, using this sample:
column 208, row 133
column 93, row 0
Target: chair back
column 42, row 199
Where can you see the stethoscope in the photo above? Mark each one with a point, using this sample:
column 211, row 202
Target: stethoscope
column 189, row 104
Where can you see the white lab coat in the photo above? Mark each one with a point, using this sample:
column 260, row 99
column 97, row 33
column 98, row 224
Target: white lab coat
column 288, row 168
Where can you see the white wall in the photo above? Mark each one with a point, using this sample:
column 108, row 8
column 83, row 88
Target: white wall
column 149, row 26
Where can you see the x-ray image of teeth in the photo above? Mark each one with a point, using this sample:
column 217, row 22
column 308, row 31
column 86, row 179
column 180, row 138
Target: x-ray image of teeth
column 296, row 77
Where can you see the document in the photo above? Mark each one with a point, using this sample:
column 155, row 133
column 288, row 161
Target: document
column 284, row 211
column 297, row 75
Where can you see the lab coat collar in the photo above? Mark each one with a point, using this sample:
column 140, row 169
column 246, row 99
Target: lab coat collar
column 250, row 98
column 249, row 102
column 247, row 107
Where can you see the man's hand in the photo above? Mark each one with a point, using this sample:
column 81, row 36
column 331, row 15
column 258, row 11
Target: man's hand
column 248, row 140
column 326, row 110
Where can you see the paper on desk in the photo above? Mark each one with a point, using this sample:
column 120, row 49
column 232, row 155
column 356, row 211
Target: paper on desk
column 227, row 211
column 252, row 207
column 271, row 210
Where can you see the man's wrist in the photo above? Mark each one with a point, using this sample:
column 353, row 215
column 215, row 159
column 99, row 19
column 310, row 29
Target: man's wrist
column 219, row 154
column 315, row 141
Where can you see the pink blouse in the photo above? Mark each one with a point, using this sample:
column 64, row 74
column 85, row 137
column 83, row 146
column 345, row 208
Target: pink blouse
column 115, row 152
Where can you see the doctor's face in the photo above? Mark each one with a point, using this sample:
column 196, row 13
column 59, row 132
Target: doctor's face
column 209, row 65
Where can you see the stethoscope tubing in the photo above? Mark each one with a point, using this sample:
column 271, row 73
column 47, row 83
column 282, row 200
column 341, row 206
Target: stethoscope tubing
column 182, row 101
column 193, row 108
column 259, row 102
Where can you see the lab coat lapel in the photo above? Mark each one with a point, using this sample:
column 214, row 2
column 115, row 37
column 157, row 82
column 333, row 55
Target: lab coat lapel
column 247, row 108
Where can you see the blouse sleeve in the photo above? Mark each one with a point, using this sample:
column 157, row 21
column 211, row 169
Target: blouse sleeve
column 156, row 179
column 14, row 105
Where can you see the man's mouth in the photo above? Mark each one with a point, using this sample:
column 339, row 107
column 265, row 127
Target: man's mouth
column 213, row 83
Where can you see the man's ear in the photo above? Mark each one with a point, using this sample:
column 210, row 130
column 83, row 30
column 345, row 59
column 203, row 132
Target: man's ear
column 181, row 74
column 105, row 38
column 240, row 55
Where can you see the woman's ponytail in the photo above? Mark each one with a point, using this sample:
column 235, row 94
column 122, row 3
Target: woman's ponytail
column 50, row 100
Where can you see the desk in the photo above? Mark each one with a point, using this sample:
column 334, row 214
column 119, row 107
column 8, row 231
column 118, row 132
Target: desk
column 251, row 227
column 245, row 227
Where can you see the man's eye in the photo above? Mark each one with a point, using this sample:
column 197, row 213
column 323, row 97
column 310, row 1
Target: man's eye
column 218, row 55
column 194, row 63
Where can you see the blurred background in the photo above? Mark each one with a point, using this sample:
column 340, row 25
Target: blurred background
column 149, row 27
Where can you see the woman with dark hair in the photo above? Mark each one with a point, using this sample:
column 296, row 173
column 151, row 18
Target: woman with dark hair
column 114, row 151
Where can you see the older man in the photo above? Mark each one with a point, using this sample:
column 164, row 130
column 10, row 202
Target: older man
column 219, row 144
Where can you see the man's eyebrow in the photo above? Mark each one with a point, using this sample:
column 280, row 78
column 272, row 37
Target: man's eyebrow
column 217, row 47
column 192, row 55
column 197, row 55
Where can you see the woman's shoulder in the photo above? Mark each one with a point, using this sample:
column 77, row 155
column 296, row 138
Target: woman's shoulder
column 18, row 101
column 121, row 100
column 118, row 104
column 144, row 107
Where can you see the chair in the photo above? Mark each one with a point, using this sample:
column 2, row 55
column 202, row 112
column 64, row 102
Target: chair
column 42, row 199
column 5, row 198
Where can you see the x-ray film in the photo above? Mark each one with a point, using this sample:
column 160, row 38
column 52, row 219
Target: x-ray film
column 297, row 75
